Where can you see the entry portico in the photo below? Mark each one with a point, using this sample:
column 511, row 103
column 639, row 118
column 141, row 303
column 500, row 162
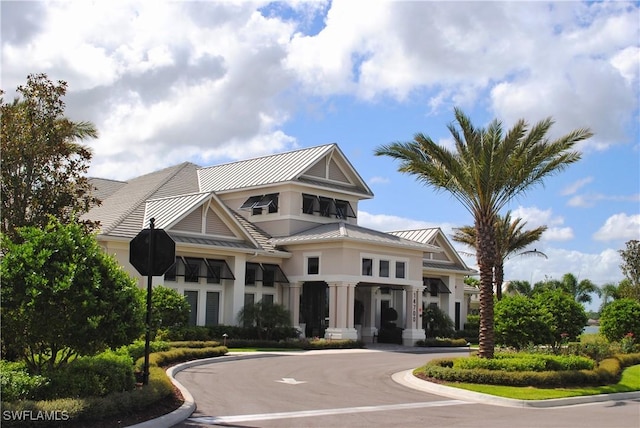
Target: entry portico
column 353, row 264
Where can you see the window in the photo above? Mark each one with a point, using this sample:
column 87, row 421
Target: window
column 249, row 299
column 212, row 308
column 399, row 269
column 367, row 267
column 170, row 275
column 192, row 300
column 272, row 274
column 313, row 265
column 384, row 268
column 267, row 299
column 343, row 209
column 252, row 274
column 214, row 272
column 433, row 289
column 257, row 203
column 192, row 270
column 326, row 206
column 309, row 203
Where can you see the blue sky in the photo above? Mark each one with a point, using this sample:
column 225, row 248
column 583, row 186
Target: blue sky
column 210, row 82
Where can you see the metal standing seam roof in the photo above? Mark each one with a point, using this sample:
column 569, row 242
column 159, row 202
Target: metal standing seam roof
column 265, row 170
column 122, row 212
column 346, row 231
column 427, row 236
column 166, row 211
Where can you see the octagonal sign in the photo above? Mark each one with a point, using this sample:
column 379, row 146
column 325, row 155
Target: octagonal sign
column 163, row 252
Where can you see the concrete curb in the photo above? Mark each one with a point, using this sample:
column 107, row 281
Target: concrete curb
column 189, row 406
column 407, row 378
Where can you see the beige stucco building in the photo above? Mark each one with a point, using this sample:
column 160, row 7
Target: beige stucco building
column 283, row 228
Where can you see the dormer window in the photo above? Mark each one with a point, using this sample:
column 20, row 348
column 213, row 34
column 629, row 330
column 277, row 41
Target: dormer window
column 343, row 209
column 326, row 207
column 257, row 203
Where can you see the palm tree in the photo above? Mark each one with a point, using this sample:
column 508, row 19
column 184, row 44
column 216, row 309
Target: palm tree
column 487, row 170
column 581, row 291
column 510, row 238
column 609, row 292
column 521, row 287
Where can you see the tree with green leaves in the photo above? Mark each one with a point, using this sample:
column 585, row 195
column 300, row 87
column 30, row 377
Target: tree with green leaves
column 510, row 240
column 568, row 316
column 486, row 170
column 581, row 291
column 265, row 318
column 631, row 270
column 43, row 163
column 168, row 309
column 63, row 296
column 619, row 318
column 520, row 321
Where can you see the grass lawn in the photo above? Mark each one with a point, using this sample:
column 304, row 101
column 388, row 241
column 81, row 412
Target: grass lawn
column 630, row 382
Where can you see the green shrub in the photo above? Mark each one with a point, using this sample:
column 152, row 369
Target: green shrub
column 97, row 375
column 86, row 411
column 17, row 384
column 440, row 342
column 179, row 355
column 608, row 371
column 136, row 349
column 526, row 362
column 619, row 318
column 520, row 321
column 191, row 344
column 597, row 350
column 329, row 344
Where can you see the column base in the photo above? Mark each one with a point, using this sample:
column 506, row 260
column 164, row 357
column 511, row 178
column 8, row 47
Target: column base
column 411, row 336
column 369, row 334
column 341, row 333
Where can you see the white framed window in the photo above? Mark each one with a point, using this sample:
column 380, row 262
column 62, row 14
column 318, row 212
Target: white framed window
column 312, row 263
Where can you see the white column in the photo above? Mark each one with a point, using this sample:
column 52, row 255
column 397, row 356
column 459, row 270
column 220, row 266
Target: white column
column 294, row 305
column 369, row 318
column 413, row 323
column 237, row 297
column 341, row 301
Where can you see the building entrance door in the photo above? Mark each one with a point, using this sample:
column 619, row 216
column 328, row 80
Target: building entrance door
column 314, row 308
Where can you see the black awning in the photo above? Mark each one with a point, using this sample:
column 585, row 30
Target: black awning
column 435, row 286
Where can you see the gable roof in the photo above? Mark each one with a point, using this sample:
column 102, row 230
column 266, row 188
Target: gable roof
column 169, row 211
column 122, row 212
column 278, row 168
column 342, row 231
column 430, row 236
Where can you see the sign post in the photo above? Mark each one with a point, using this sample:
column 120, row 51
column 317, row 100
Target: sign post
column 152, row 252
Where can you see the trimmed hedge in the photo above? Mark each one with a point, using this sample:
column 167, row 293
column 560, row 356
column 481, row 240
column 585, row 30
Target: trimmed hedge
column 607, row 372
column 179, row 355
column 526, row 362
column 85, row 410
column 438, row 342
column 88, row 410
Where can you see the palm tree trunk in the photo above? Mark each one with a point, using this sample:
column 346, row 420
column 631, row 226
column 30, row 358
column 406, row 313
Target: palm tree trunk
column 499, row 276
column 486, row 254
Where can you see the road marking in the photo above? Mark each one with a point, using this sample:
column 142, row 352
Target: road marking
column 212, row 420
column 291, row 381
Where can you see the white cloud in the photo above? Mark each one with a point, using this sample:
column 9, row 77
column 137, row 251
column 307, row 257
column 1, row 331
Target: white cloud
column 575, row 186
column 619, row 226
column 590, row 199
column 379, row 180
